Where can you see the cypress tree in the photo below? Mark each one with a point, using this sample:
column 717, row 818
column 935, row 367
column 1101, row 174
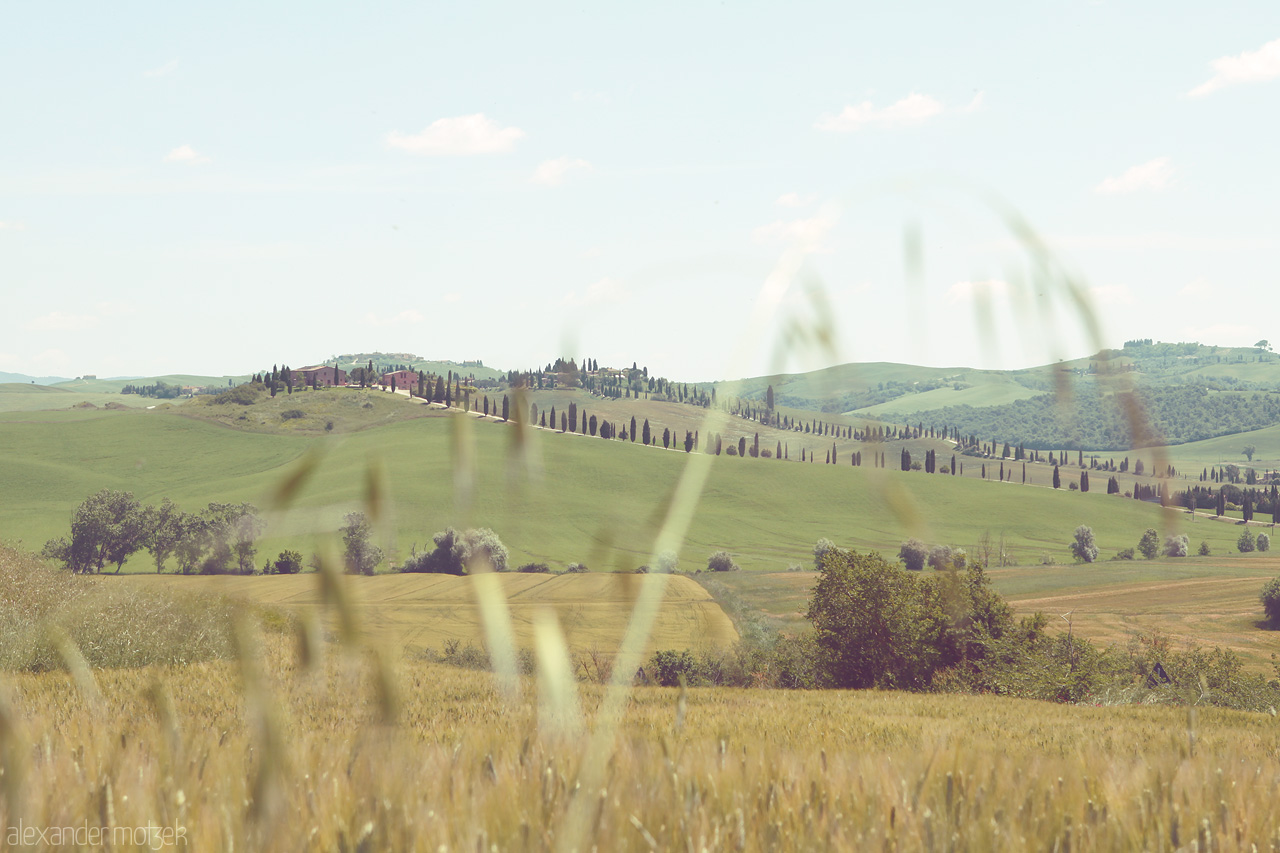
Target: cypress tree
column 1057, row 480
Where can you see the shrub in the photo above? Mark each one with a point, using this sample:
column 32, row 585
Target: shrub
column 667, row 562
column 1264, row 542
column 913, row 553
column 642, row 570
column 721, row 561
column 577, row 568
column 1245, row 543
column 1177, row 546
column 288, row 563
column 241, row 395
column 670, row 667
column 361, row 556
column 822, row 548
column 1271, row 601
column 945, row 469
column 1204, row 549
column 1084, row 548
column 1149, row 544
column 535, row 569
column 292, row 414
column 943, row 557
column 1124, row 554
column 731, row 450
column 458, row 553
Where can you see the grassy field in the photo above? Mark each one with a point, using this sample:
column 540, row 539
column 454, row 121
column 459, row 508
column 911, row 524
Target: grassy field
column 997, row 391
column 416, row 612
column 15, row 397
column 1207, row 601
column 572, row 498
column 267, row 755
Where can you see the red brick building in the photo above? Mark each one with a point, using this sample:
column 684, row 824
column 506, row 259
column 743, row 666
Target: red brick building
column 406, row 380
column 324, row 375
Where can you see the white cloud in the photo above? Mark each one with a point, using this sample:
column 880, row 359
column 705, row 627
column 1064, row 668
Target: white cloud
column 1201, row 289
column 971, row 291
column 404, row 318
column 551, row 173
column 452, row 297
column 168, row 68
column 606, row 291
column 976, row 103
column 1252, row 66
column 1154, row 240
column 1111, row 294
column 458, row 136
column 185, row 154
column 115, row 309
column 13, row 226
column 1223, row 334
column 912, row 109
column 57, row 321
column 807, row 234
column 1152, row 175
column 796, row 200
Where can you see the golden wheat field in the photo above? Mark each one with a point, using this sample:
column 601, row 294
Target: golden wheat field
column 266, row 755
column 424, row 611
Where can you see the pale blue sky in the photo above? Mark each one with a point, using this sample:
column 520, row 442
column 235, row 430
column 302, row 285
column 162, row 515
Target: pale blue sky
column 218, row 189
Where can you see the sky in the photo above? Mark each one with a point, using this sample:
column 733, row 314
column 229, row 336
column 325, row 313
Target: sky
column 711, row 190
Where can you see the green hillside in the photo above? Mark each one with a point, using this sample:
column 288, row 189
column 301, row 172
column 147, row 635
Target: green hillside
column 16, row 397
column 113, row 386
column 586, row 499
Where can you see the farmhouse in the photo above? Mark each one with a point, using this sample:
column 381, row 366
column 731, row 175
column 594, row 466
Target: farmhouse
column 402, row 379
column 321, row 375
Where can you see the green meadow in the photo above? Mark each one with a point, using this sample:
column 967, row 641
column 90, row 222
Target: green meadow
column 552, row 498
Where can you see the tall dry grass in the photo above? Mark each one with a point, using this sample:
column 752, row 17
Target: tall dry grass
column 284, row 758
column 45, row 615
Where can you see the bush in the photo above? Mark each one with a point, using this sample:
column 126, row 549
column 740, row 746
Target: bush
column 1149, row 544
column 288, row 563
column 535, row 569
column 913, row 553
column 292, row 414
column 1264, row 542
column 1177, row 546
column 822, row 548
column 1204, row 549
column 721, row 561
column 241, row 395
column 1124, row 554
column 361, row 556
column 670, row 667
column 1084, row 548
column 458, row 553
column 1271, row 601
column 577, row 568
column 642, row 570
column 667, row 562
column 1245, row 543
column 943, row 557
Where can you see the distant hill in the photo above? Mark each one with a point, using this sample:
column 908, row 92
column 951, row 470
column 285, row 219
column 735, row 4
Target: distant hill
column 901, row 391
column 114, row 385
column 27, row 380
